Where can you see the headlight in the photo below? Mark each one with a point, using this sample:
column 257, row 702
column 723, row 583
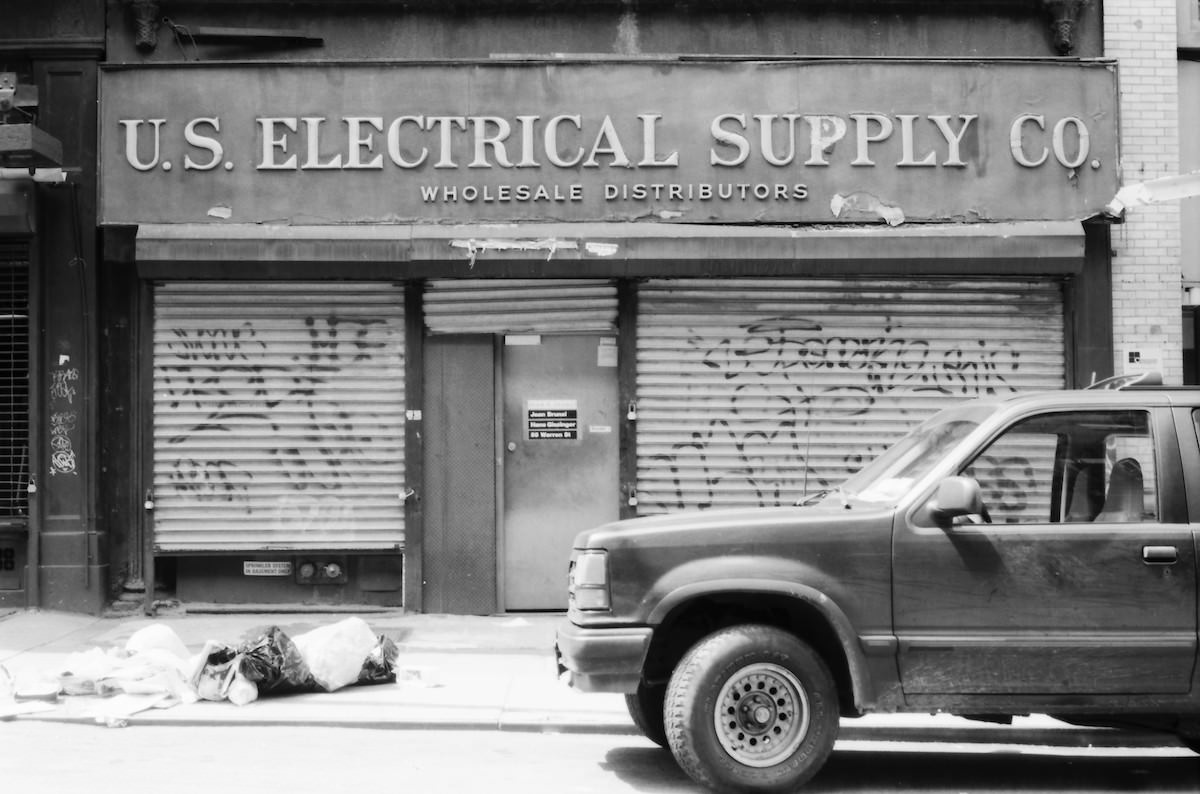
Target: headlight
column 587, row 586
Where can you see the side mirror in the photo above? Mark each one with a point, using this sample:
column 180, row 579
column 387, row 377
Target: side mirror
column 955, row 497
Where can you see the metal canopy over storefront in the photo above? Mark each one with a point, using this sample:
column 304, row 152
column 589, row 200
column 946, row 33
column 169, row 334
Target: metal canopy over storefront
column 629, row 249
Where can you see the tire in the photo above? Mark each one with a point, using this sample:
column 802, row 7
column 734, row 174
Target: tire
column 646, row 708
column 1189, row 733
column 751, row 708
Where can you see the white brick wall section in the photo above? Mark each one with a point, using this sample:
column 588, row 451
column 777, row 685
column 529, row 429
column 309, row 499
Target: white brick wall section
column 1146, row 267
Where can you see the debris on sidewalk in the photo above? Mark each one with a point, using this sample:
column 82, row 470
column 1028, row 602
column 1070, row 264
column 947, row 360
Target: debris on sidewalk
column 155, row 670
column 12, row 706
column 322, row 660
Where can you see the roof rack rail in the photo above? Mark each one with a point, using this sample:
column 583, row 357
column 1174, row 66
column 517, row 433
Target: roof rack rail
column 1118, row 382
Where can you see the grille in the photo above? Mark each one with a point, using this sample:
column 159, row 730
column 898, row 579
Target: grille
column 14, row 380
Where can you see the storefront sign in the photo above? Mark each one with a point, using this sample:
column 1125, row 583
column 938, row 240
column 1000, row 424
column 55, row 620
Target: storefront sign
column 552, row 420
column 725, row 142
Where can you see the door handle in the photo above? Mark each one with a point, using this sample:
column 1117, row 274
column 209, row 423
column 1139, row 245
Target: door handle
column 1160, row 555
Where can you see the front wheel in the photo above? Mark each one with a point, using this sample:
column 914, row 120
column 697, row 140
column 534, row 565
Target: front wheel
column 1189, row 734
column 751, row 708
column 646, row 709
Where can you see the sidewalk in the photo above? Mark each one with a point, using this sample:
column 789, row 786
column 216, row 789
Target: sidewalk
column 453, row 672
column 494, row 673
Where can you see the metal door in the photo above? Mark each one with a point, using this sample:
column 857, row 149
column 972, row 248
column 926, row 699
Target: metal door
column 560, row 458
column 458, row 570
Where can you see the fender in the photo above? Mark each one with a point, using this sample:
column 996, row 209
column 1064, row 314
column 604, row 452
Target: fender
column 862, row 681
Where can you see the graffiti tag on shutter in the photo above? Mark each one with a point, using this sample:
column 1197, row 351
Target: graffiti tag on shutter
column 775, row 400
column 268, row 416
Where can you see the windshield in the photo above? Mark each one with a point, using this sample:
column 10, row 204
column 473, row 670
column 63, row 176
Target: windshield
column 887, row 478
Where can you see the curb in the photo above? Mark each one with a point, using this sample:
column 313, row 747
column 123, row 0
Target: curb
column 1076, row 738
column 381, row 725
column 1066, row 737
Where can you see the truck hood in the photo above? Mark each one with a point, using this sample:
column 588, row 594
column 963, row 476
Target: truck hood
column 657, row 563
column 735, row 527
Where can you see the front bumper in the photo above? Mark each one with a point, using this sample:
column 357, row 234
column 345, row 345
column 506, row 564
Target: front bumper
column 602, row 659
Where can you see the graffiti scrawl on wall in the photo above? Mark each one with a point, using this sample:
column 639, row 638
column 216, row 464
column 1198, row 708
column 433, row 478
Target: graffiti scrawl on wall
column 62, row 384
column 62, row 452
column 63, row 419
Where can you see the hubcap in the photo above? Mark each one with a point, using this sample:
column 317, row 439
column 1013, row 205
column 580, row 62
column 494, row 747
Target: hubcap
column 761, row 715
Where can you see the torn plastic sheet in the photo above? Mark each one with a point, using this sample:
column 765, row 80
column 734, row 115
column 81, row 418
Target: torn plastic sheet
column 151, row 671
column 1154, row 191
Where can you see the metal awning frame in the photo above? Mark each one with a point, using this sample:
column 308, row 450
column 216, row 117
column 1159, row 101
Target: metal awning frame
column 614, row 249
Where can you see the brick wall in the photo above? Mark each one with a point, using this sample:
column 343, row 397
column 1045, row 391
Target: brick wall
column 1141, row 34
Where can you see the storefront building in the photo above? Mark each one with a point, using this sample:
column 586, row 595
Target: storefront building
column 748, row 298
column 53, row 552
column 384, row 328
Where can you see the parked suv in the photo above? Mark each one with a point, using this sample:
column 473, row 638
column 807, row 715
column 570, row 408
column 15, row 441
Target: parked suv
column 1029, row 554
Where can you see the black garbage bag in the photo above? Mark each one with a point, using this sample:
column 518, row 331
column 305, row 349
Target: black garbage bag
column 380, row 665
column 274, row 664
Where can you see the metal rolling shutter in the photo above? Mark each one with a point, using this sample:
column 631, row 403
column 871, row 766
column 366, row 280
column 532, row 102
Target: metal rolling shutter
column 754, row 392
column 520, row 306
column 278, row 416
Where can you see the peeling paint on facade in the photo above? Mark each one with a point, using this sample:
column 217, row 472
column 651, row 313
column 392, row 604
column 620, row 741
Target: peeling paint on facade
column 852, row 203
column 601, row 249
column 550, row 246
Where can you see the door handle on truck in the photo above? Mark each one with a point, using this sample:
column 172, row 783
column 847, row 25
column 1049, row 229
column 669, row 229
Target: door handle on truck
column 1160, row 555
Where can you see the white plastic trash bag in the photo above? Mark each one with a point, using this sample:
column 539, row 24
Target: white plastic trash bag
column 241, row 690
column 156, row 637
column 335, row 654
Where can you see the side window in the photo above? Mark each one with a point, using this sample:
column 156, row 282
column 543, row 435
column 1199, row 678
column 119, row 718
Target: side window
column 1016, row 474
column 1075, row 466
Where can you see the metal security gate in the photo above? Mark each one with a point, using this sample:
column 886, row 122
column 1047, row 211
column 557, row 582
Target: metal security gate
column 15, row 469
column 520, row 306
column 14, row 382
column 755, row 392
column 278, row 416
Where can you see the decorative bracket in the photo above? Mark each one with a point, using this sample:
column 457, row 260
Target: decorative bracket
column 1064, row 14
